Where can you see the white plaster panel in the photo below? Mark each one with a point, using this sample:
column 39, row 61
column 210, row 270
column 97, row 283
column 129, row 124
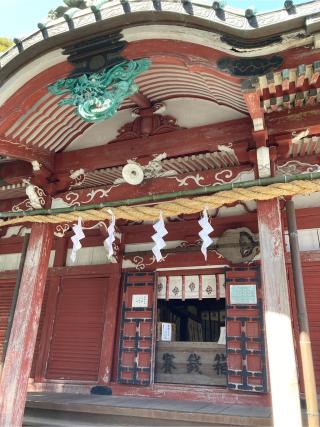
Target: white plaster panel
column 102, row 132
column 9, row 262
column 307, row 201
column 308, row 240
column 89, row 256
column 191, row 112
column 200, row 112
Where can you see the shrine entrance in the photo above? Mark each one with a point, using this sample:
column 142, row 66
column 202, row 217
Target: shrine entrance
column 191, row 345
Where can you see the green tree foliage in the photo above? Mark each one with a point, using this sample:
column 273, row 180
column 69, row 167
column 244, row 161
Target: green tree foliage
column 5, row 43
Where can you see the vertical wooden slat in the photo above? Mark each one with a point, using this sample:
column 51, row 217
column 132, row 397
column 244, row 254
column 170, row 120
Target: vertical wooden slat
column 183, row 288
column 217, row 286
column 17, row 366
column 108, row 341
column 167, row 288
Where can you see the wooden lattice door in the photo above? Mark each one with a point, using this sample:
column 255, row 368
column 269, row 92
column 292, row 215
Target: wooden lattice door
column 137, row 325
column 245, row 332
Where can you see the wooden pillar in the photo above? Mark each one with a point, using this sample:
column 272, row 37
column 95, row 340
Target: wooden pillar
column 110, row 327
column 17, row 365
column 278, row 326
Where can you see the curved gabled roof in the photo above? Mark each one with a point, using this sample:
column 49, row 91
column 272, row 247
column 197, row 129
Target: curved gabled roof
column 239, row 34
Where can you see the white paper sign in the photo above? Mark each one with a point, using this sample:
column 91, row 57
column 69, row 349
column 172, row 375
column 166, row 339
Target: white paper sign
column 140, row 301
column 222, row 338
column 166, row 331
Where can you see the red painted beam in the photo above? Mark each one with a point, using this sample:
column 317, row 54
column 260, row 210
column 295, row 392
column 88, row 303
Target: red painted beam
column 187, row 181
column 188, row 229
column 294, row 120
column 179, row 143
column 252, row 100
column 16, row 150
column 13, row 172
column 17, row 365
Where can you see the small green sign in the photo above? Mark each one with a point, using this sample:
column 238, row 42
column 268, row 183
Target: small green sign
column 243, row 294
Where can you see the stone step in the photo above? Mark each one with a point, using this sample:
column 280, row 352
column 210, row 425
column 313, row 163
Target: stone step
column 139, row 411
column 47, row 418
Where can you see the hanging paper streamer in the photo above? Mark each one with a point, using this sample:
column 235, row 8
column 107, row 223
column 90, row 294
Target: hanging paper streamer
column 158, row 238
column 204, row 233
column 78, row 235
column 108, row 243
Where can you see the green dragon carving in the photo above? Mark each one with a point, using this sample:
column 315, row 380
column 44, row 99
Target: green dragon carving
column 98, row 96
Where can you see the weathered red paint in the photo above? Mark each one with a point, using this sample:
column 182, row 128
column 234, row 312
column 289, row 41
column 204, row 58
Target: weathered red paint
column 6, row 294
column 17, row 366
column 215, row 395
column 109, row 332
column 311, row 271
column 178, row 143
column 252, row 99
column 13, row 149
column 279, row 337
column 294, row 120
column 152, row 186
column 29, row 94
column 43, row 344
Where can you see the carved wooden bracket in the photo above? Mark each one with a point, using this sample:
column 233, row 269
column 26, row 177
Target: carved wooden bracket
column 148, row 121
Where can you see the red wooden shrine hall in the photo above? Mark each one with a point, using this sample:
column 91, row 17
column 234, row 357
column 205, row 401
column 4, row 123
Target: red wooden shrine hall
column 145, row 126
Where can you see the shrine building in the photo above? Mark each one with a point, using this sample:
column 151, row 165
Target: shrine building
column 160, row 215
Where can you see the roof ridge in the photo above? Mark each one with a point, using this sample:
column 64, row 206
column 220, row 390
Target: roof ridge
column 225, row 21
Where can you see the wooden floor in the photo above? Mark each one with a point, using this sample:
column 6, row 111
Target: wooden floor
column 60, row 409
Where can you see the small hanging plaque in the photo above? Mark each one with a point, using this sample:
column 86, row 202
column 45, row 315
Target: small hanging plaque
column 243, row 294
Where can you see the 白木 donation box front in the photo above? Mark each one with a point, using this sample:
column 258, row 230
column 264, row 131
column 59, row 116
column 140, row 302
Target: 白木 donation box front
column 202, row 363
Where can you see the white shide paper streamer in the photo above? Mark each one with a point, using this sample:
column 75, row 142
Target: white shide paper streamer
column 204, row 233
column 108, row 243
column 78, row 235
column 158, row 238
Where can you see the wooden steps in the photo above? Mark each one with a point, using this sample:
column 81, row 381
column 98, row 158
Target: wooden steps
column 60, row 409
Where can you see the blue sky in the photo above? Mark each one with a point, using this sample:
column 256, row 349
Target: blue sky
column 20, row 17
